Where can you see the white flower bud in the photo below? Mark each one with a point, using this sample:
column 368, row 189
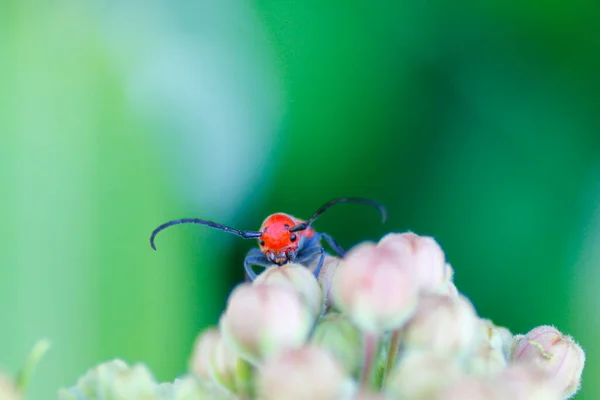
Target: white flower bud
column 554, row 353
column 114, row 380
column 262, row 320
column 376, row 292
column 443, row 325
column 188, row 388
column 301, row 374
column 299, row 278
column 135, row 383
column 421, row 375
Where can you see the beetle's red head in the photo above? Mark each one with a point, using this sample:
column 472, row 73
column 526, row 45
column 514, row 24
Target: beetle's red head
column 277, row 242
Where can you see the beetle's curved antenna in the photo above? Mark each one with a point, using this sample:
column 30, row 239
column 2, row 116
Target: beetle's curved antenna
column 244, row 234
column 304, row 225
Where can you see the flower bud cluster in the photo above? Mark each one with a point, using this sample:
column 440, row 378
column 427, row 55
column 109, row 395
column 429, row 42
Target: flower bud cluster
column 384, row 322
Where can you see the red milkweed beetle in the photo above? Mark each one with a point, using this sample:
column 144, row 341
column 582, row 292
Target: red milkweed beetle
column 283, row 238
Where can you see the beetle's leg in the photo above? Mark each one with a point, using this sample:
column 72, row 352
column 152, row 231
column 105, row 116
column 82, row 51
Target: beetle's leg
column 255, row 257
column 307, row 253
column 334, row 245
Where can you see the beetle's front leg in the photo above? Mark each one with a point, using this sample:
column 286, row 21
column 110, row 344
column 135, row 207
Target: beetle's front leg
column 307, row 253
column 255, row 257
column 333, row 244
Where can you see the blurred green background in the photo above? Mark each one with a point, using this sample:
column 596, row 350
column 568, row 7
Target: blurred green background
column 477, row 123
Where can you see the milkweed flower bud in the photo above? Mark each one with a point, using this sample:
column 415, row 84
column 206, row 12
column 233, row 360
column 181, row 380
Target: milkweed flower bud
column 518, row 382
column 421, row 253
column 511, row 384
column 497, row 336
column 490, row 355
column 421, row 375
column 305, row 373
column 448, row 288
column 328, row 271
column 188, row 388
column 203, row 348
column 262, row 320
column 471, row 389
column 136, row 383
column 226, row 369
column 114, row 380
column 298, row 278
column 443, row 325
column 376, row 292
column 556, row 354
column 336, row 334
column 486, row 361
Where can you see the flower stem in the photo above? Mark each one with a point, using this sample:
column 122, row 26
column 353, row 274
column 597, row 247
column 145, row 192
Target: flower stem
column 36, row 354
column 370, row 347
column 393, row 352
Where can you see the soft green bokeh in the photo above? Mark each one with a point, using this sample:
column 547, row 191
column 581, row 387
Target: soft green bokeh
column 476, row 123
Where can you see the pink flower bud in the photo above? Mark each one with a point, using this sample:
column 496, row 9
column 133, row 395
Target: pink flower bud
column 471, row 389
column 518, row 382
column 554, row 353
column 376, row 292
column 443, row 325
column 301, row 374
column 262, row 320
column 299, row 278
column 203, row 348
column 509, row 385
column 421, row 375
column 421, row 253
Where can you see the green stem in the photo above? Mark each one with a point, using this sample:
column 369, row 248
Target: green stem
column 370, row 347
column 393, row 352
column 244, row 378
column 36, row 354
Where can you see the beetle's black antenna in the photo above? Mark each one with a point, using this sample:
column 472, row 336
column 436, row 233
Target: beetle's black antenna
column 304, row 225
column 244, row 234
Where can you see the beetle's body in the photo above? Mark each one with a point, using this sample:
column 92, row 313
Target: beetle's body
column 282, row 238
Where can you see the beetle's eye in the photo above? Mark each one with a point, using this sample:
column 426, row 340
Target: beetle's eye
column 262, row 242
column 293, row 237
